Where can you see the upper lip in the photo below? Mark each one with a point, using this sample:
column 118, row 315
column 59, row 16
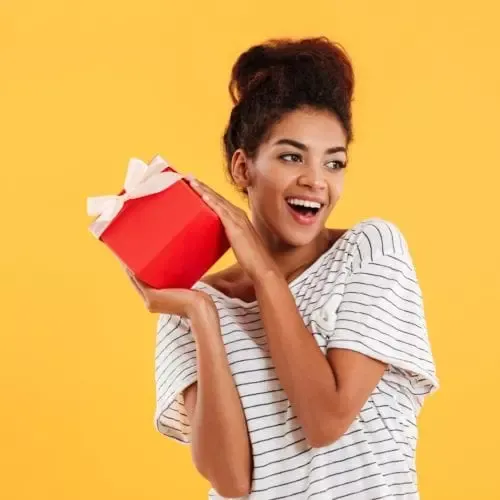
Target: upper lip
column 306, row 198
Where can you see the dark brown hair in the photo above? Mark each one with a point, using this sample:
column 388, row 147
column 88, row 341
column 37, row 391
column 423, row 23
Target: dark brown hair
column 280, row 76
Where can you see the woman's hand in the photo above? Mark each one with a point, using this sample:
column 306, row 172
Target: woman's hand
column 182, row 302
column 245, row 242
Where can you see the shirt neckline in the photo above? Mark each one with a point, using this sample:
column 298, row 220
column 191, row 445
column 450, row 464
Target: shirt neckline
column 254, row 303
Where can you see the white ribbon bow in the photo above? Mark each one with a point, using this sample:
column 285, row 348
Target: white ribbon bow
column 141, row 180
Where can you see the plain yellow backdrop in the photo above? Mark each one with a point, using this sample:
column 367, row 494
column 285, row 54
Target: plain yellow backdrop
column 85, row 85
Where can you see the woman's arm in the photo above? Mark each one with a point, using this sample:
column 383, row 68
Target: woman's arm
column 220, row 443
column 326, row 392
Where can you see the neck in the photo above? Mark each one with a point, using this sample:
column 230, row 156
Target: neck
column 292, row 260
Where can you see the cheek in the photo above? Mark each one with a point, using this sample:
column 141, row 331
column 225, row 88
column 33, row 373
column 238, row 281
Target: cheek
column 265, row 193
column 336, row 189
column 271, row 180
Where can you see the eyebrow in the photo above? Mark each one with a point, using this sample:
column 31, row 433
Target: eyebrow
column 303, row 147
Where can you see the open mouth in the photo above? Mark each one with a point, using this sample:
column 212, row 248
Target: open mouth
column 305, row 210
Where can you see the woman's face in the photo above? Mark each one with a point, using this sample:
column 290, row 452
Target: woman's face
column 296, row 177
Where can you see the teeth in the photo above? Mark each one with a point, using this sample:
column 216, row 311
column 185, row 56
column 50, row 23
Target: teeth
column 304, row 203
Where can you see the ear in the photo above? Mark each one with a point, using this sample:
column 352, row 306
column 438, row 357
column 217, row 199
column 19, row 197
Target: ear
column 240, row 169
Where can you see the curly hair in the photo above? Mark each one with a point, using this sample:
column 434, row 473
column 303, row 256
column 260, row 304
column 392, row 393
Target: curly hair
column 279, row 76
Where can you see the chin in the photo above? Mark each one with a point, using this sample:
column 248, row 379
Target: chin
column 300, row 237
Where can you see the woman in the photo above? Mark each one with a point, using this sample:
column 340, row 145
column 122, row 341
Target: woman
column 299, row 371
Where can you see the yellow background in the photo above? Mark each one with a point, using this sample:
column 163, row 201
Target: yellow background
column 85, row 85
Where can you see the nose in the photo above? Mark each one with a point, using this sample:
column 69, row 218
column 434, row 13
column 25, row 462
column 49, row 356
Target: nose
column 312, row 177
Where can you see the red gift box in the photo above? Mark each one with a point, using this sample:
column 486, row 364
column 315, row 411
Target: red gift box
column 168, row 239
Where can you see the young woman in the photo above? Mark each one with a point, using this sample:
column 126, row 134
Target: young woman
column 299, row 371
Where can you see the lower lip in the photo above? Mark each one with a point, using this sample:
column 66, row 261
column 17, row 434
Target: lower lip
column 305, row 220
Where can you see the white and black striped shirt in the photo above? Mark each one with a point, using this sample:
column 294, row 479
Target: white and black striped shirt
column 362, row 294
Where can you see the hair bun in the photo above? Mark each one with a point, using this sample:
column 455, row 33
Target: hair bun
column 284, row 60
column 251, row 68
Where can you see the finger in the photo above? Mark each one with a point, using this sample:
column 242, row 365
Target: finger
column 202, row 188
column 124, row 266
column 208, row 195
column 222, row 207
column 216, row 206
column 225, row 210
column 141, row 284
column 136, row 285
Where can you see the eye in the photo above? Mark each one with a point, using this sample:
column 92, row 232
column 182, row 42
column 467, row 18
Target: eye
column 293, row 157
column 336, row 164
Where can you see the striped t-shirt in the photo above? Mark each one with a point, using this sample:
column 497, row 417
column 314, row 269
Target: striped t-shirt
column 362, row 294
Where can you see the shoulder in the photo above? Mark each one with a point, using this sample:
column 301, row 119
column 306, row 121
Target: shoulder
column 224, row 280
column 229, row 284
column 375, row 238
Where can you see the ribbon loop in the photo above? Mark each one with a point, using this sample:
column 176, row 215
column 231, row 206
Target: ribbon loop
column 141, row 180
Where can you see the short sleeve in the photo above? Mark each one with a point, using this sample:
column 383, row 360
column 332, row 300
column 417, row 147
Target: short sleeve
column 175, row 370
column 381, row 314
